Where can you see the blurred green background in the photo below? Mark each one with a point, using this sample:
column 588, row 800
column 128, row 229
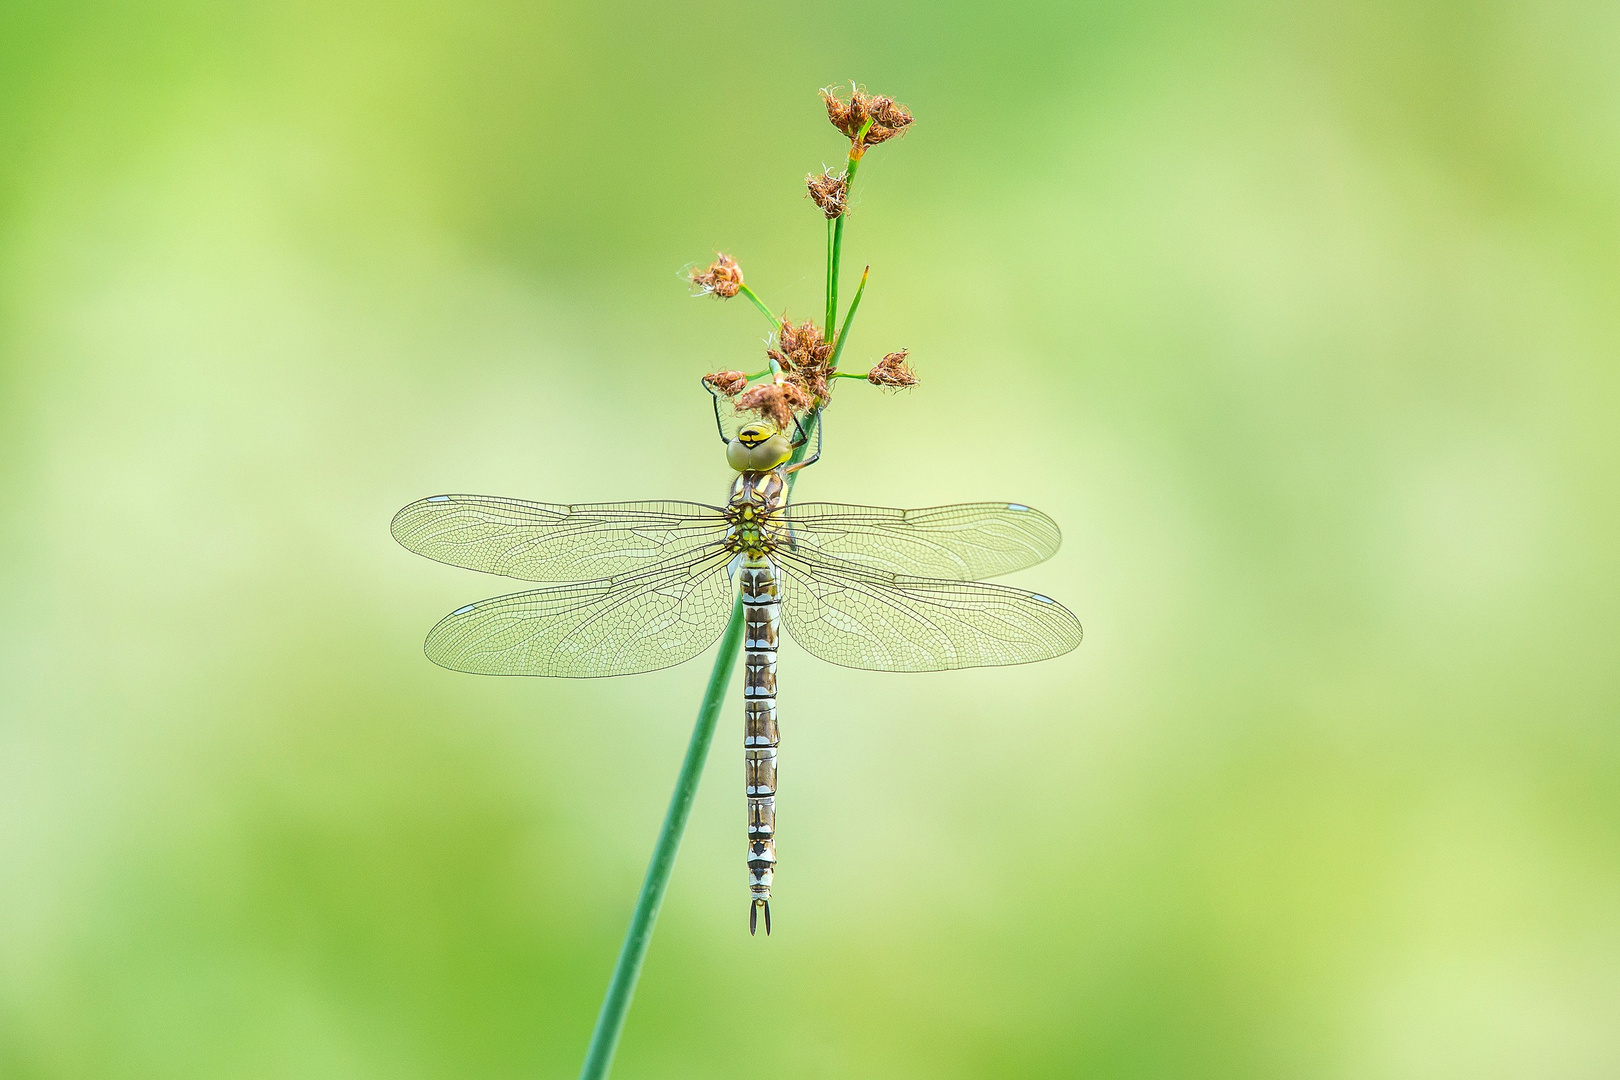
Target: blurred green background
column 1301, row 319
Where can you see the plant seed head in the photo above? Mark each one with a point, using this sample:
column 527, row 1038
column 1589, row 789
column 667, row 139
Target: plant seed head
column 892, row 372
column 795, row 395
column 888, row 118
column 829, row 191
column 723, row 278
column 727, row 383
column 805, row 354
column 774, row 401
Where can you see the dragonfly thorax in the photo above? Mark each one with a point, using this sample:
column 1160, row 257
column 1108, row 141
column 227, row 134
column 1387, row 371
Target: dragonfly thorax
column 751, row 511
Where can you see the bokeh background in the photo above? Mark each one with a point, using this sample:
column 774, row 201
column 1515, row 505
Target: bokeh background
column 1302, row 320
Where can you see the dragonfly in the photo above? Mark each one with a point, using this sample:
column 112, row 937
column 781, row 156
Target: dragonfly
column 638, row 586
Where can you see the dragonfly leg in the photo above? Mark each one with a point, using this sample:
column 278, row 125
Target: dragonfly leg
column 804, row 438
column 718, row 426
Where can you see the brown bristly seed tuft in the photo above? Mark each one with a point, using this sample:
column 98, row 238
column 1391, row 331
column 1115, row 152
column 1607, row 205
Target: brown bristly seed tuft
column 892, row 372
column 727, row 383
column 795, row 395
column 776, row 401
column 829, row 190
column 723, row 278
column 806, row 356
column 888, row 118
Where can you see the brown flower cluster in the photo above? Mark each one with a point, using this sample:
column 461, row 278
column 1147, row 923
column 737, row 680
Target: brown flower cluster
column 804, row 360
column 892, row 372
column 805, row 357
column 829, row 191
column 888, row 119
column 723, row 278
column 777, row 401
column 727, row 383
column 802, row 355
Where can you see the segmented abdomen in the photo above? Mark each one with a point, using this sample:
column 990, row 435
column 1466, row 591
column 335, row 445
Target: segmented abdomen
column 762, row 622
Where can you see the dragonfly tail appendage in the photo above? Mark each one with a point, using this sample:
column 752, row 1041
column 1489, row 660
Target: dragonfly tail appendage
column 762, row 623
column 756, row 906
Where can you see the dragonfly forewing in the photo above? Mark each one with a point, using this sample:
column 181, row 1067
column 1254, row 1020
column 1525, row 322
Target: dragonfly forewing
column 964, row 542
column 536, row 541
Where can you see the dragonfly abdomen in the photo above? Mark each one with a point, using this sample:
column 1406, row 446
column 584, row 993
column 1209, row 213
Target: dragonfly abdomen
column 761, row 629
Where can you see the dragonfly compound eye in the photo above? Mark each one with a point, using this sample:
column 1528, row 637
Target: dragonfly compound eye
column 761, row 455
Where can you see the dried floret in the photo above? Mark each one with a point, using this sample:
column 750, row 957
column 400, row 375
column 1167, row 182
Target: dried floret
column 723, row 278
column 727, row 383
column 803, row 352
column 829, row 190
column 795, row 396
column 802, row 346
column 892, row 372
column 776, row 402
column 888, row 118
column 889, row 115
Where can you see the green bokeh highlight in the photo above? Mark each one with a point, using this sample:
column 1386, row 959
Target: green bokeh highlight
column 1301, row 321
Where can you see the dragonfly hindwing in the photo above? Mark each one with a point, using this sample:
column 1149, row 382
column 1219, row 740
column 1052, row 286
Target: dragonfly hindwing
column 614, row 626
column 862, row 618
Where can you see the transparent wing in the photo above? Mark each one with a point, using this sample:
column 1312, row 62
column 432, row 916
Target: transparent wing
column 862, row 618
column 622, row 625
column 962, row 543
column 551, row 542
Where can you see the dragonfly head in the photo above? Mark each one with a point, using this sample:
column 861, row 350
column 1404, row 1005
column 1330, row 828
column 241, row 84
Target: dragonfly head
column 758, row 447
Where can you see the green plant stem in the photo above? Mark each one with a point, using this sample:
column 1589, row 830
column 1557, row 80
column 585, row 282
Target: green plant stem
column 833, row 225
column 746, row 291
column 835, row 253
column 832, row 273
column 832, row 364
column 838, row 258
column 849, row 319
column 615, row 1006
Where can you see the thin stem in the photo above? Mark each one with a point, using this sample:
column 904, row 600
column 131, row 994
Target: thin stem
column 854, row 306
column 832, row 365
column 746, row 291
column 610, row 1023
column 832, row 230
column 832, row 274
column 851, row 165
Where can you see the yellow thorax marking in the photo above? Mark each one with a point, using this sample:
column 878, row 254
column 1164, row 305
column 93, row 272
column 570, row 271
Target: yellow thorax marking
column 752, row 435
